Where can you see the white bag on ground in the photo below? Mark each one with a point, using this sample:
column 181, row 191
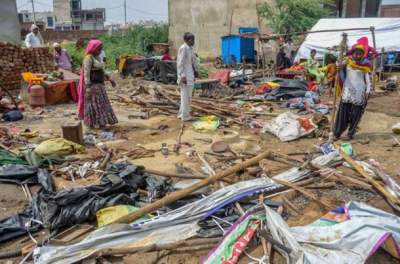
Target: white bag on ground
column 287, row 127
column 396, row 128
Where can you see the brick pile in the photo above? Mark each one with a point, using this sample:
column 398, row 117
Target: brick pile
column 14, row 60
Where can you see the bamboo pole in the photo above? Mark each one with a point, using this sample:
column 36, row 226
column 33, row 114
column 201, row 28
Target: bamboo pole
column 337, row 79
column 263, row 38
column 373, row 60
column 172, row 197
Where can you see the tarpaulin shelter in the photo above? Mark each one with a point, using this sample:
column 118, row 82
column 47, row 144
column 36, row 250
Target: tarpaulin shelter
column 328, row 33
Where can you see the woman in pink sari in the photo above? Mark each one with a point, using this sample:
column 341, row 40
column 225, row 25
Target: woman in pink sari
column 94, row 107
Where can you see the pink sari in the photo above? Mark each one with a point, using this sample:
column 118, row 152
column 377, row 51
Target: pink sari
column 91, row 47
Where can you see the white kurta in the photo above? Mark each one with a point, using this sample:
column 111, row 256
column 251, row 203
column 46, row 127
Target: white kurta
column 33, row 41
column 356, row 86
column 186, row 67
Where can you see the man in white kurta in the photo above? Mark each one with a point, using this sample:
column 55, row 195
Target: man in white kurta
column 187, row 71
column 34, row 39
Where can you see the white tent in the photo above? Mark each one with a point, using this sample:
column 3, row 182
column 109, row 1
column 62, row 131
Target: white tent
column 387, row 34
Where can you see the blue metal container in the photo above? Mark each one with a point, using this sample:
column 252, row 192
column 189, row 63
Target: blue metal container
column 235, row 48
column 244, row 30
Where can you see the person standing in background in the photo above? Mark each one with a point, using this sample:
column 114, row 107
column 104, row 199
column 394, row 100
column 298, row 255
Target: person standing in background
column 187, row 70
column 166, row 56
column 34, row 39
column 94, row 107
column 355, row 78
column 62, row 58
column 288, row 49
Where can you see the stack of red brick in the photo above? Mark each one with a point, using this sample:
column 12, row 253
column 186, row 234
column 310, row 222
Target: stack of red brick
column 14, row 60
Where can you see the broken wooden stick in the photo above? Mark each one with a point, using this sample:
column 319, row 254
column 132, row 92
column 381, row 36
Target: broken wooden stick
column 178, row 144
column 290, row 205
column 172, row 197
column 106, row 159
column 305, row 193
column 371, row 180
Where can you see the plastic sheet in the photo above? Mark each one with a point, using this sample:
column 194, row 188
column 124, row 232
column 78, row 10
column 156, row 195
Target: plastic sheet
column 183, row 216
column 10, row 158
column 74, row 206
column 18, row 173
column 235, row 240
column 351, row 241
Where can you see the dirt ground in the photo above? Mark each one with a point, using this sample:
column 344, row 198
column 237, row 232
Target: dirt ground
column 374, row 140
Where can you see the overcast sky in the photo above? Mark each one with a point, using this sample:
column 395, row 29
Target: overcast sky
column 137, row 10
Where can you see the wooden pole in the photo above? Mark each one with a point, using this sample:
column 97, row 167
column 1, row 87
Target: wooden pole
column 373, row 60
column 371, row 180
column 172, row 197
column 155, row 247
column 337, row 79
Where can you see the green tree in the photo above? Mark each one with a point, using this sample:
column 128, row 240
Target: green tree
column 132, row 41
column 289, row 16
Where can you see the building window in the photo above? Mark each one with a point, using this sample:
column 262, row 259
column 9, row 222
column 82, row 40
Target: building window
column 75, row 5
column 99, row 15
column 89, row 16
column 371, row 8
column 50, row 22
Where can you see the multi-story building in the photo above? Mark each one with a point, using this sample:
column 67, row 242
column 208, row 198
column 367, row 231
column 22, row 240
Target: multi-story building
column 368, row 8
column 45, row 19
column 69, row 15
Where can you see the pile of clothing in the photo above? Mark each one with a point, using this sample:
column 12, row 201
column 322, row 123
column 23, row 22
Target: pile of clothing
column 310, row 103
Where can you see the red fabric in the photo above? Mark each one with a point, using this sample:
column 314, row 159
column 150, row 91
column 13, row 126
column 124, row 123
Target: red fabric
column 166, row 57
column 73, row 91
column 312, row 86
column 305, row 123
column 222, row 75
column 265, row 88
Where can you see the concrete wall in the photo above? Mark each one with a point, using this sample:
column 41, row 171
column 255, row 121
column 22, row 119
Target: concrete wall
column 390, row 11
column 73, row 35
column 209, row 20
column 9, row 23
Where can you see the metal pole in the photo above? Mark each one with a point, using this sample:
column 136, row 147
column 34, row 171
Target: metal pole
column 33, row 11
column 125, row 12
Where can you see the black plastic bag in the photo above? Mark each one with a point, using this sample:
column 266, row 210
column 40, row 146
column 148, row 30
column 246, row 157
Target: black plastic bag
column 12, row 116
column 77, row 205
column 18, row 173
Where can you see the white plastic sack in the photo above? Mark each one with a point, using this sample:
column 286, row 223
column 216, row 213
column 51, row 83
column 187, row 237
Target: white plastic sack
column 287, row 127
column 396, row 128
